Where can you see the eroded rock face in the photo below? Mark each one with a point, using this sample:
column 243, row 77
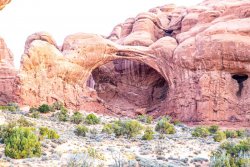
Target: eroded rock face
column 8, row 76
column 130, row 87
column 197, row 58
column 3, row 3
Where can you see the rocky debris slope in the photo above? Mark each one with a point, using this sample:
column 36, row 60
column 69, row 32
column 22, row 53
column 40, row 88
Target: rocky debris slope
column 201, row 52
column 180, row 149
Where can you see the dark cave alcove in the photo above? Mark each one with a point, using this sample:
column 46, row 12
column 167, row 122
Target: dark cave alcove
column 129, row 86
column 240, row 78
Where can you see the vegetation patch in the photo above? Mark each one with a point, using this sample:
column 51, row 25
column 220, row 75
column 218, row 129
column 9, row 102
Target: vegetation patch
column 164, row 127
column 81, row 130
column 232, row 154
column 48, row 133
column 22, row 143
column 92, row 119
column 76, row 118
column 200, row 131
column 148, row 134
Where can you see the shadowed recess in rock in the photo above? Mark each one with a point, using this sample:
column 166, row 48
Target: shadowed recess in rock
column 240, row 78
column 129, row 86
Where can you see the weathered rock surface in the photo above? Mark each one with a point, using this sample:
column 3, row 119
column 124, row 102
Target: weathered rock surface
column 201, row 53
column 8, row 76
column 3, row 3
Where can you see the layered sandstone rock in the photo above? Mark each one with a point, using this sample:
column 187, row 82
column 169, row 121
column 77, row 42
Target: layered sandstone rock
column 8, row 76
column 190, row 63
column 3, row 3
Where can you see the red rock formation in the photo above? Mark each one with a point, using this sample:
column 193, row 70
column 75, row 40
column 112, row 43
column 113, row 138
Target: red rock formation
column 200, row 55
column 3, row 3
column 8, row 76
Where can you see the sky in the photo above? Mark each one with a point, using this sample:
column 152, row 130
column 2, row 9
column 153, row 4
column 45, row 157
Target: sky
column 60, row 18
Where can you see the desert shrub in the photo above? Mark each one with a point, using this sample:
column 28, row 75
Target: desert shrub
column 129, row 128
column 93, row 132
column 44, row 108
column 35, row 114
column 164, row 127
column 95, row 154
column 48, row 133
column 23, row 122
column 132, row 128
column 92, row 119
column 8, row 108
column 57, row 105
column 14, row 105
column 6, row 130
column 232, row 154
column 200, row 132
column 231, row 133
column 176, row 122
column 76, row 118
column 108, row 128
column 81, row 130
column 22, row 143
column 145, row 118
column 148, row 134
column 241, row 133
column 213, row 129
column 80, row 160
column 63, row 115
column 219, row 136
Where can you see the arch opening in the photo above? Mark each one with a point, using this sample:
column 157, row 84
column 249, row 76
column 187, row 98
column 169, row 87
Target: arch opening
column 240, row 78
column 129, row 87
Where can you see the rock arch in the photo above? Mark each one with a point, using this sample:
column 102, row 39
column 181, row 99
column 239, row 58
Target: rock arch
column 49, row 74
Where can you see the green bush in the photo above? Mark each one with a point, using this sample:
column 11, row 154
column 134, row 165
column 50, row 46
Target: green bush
column 35, row 114
column 145, row 118
column 57, row 105
column 164, row 127
column 8, row 108
column 76, row 118
column 200, row 132
column 14, row 105
column 22, row 143
column 241, row 133
column 23, row 122
column 148, row 134
column 213, row 129
column 130, row 128
column 81, row 130
column 108, row 128
column 176, row 122
column 219, row 136
column 44, row 108
column 232, row 154
column 231, row 134
column 92, row 119
column 63, row 115
column 48, row 133
column 6, row 130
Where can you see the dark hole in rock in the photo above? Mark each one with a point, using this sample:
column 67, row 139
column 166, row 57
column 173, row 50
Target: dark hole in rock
column 240, row 78
column 129, row 86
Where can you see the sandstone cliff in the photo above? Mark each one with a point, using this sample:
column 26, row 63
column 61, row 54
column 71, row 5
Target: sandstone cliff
column 190, row 63
column 9, row 91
